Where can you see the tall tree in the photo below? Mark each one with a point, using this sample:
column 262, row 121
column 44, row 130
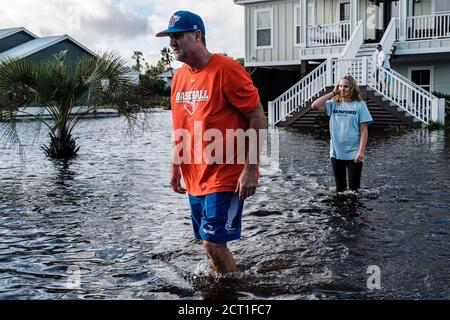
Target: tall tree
column 138, row 56
column 167, row 59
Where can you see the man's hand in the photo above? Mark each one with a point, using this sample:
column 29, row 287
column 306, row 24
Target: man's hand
column 175, row 181
column 247, row 182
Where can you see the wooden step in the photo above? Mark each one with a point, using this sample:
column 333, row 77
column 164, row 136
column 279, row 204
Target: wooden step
column 383, row 113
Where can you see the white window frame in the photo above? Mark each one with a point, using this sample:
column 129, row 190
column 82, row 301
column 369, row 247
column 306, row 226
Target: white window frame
column 311, row 8
column 339, row 11
column 256, row 30
column 297, row 20
column 297, row 24
column 431, row 68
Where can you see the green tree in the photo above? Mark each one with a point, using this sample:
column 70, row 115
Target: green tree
column 154, row 71
column 59, row 87
column 240, row 61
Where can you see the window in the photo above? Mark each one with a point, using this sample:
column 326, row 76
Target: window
column 297, row 24
column 311, row 12
column 311, row 18
column 344, row 11
column 422, row 76
column 263, row 28
column 441, row 6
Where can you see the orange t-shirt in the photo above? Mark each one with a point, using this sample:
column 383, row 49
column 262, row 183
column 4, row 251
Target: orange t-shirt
column 213, row 97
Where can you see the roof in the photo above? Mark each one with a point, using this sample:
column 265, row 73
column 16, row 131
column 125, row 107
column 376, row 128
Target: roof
column 242, row 2
column 167, row 74
column 28, row 48
column 10, row 31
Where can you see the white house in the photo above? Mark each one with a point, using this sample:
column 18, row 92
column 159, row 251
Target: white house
column 319, row 40
column 167, row 77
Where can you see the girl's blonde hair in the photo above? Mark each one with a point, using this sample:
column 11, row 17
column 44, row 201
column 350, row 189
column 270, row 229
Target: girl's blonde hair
column 355, row 95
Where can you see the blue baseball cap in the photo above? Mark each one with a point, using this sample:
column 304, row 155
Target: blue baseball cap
column 379, row 46
column 183, row 21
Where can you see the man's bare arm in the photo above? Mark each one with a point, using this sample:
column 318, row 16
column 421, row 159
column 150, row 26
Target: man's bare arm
column 248, row 180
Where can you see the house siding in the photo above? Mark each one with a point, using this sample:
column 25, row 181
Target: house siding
column 441, row 72
column 423, row 7
column 74, row 52
column 369, row 14
column 283, row 48
column 14, row 40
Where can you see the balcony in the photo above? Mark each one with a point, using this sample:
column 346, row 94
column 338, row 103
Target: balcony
column 428, row 27
column 328, row 34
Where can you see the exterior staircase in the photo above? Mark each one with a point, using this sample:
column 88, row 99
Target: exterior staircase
column 396, row 101
column 384, row 113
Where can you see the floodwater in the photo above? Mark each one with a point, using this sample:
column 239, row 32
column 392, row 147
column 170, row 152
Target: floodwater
column 106, row 225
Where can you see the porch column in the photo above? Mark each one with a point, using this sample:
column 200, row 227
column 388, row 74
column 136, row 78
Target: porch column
column 354, row 14
column 303, row 23
column 303, row 68
column 403, row 8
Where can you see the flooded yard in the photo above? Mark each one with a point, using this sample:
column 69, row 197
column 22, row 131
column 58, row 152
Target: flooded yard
column 106, row 225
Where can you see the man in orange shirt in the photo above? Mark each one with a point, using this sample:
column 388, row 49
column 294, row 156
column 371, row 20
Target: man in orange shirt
column 212, row 95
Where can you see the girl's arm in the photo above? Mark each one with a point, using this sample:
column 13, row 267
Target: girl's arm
column 319, row 104
column 362, row 142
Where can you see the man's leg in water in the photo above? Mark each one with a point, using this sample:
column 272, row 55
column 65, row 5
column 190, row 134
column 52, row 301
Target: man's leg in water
column 221, row 258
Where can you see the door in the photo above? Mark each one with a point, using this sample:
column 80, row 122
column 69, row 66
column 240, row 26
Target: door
column 387, row 9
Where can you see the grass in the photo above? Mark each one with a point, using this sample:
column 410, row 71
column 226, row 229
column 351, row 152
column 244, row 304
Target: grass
column 434, row 125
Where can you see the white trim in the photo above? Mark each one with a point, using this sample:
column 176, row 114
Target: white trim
column 255, row 28
column 273, row 63
column 319, row 56
column 418, row 68
column 312, row 7
column 66, row 36
column 17, row 30
column 51, row 43
column 246, row 32
column 242, row 2
column 297, row 24
column 339, row 11
column 399, row 51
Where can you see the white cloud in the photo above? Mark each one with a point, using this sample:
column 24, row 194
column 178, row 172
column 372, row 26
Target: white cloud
column 125, row 26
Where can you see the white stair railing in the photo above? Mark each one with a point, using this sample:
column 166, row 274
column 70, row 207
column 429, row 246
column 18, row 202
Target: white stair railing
column 298, row 95
column 357, row 68
column 405, row 94
column 390, row 35
column 428, row 26
column 399, row 90
column 350, row 50
column 316, row 81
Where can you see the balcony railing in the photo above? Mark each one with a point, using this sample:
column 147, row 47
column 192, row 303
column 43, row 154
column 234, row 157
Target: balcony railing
column 323, row 35
column 427, row 27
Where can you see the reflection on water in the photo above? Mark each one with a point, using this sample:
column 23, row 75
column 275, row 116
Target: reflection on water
column 110, row 214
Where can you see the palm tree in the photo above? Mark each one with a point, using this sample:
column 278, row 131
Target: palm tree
column 138, row 56
column 167, row 58
column 59, row 88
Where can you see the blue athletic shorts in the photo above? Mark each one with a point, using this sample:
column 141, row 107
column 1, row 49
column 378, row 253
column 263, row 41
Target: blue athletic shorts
column 216, row 217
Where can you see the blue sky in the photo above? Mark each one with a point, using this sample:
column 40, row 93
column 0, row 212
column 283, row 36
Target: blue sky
column 125, row 26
